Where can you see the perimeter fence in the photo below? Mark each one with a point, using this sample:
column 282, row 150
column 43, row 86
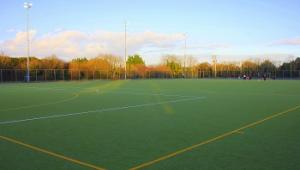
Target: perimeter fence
column 39, row 75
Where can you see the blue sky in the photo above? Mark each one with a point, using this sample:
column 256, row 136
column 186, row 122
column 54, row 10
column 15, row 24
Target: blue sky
column 232, row 29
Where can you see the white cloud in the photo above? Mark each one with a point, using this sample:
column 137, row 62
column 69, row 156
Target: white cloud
column 16, row 44
column 291, row 42
column 212, row 46
column 12, row 30
column 70, row 44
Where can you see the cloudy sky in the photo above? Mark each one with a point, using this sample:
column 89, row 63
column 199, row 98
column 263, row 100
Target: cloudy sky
column 230, row 29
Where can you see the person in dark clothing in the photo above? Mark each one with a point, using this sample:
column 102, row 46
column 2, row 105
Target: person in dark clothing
column 265, row 77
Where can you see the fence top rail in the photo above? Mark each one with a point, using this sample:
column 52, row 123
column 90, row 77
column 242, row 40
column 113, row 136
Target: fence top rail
column 52, row 69
column 99, row 70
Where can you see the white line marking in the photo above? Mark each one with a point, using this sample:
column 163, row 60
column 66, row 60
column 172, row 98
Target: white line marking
column 48, row 88
column 76, row 95
column 100, row 110
column 154, row 94
column 132, row 91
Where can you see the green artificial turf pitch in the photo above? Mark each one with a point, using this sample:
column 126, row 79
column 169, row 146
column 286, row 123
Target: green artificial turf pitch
column 150, row 124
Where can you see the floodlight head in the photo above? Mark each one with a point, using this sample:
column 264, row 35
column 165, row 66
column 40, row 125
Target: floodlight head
column 27, row 5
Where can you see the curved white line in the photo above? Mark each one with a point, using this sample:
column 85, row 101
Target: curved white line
column 100, row 110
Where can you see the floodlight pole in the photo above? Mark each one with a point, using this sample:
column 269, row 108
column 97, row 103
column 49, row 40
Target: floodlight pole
column 185, row 55
column 184, row 63
column 27, row 6
column 125, row 49
column 214, row 59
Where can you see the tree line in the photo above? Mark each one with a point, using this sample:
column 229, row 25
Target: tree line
column 172, row 64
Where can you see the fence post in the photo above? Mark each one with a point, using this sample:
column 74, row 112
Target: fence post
column 54, row 71
column 11, row 75
column 1, row 75
column 45, row 75
column 79, row 73
column 63, row 74
column 16, row 76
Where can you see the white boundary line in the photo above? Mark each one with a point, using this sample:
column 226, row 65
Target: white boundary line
column 154, row 94
column 75, row 95
column 99, row 110
column 132, row 91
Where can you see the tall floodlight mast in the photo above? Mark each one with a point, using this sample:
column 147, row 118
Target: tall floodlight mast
column 184, row 60
column 214, row 60
column 27, row 6
column 125, row 49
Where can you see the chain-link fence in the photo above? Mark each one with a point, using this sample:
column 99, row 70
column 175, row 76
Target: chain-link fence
column 18, row 75
column 282, row 74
